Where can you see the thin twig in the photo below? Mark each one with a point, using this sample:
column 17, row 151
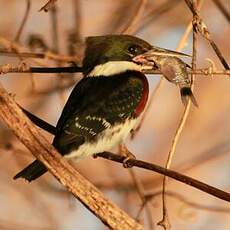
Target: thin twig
column 170, row 173
column 53, row 88
column 17, row 37
column 134, row 21
column 138, row 185
column 49, row 5
column 222, row 8
column 13, row 225
column 151, row 195
column 55, row 47
column 150, row 103
column 23, row 68
column 77, row 21
column 195, row 162
column 201, row 27
column 141, row 192
column 46, row 55
column 155, row 13
column 165, row 223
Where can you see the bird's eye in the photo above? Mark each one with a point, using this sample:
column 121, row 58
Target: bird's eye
column 134, row 49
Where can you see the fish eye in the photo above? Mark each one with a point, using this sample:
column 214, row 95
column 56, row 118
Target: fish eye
column 134, row 49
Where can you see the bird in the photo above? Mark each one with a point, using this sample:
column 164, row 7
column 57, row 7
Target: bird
column 106, row 104
column 173, row 69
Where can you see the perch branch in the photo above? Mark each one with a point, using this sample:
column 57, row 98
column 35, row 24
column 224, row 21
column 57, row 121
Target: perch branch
column 153, row 167
column 201, row 27
column 24, row 68
column 48, row 55
column 170, row 173
column 165, row 223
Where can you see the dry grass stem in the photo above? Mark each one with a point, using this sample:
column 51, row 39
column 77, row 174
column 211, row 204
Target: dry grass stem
column 181, row 198
column 165, row 223
column 134, row 21
column 138, row 185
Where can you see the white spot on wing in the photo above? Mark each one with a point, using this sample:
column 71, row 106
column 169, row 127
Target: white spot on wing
column 89, row 130
column 105, row 123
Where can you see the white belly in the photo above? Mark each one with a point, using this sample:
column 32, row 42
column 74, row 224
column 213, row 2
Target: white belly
column 107, row 140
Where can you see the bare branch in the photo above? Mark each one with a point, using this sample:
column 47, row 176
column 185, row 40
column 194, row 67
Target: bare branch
column 48, row 5
column 23, row 68
column 201, row 27
column 151, row 195
column 170, row 173
column 48, row 55
column 165, row 220
column 17, row 37
column 223, row 10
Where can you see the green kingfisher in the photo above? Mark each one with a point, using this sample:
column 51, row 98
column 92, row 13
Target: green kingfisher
column 106, row 105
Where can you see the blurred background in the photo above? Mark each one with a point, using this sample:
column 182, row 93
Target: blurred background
column 202, row 151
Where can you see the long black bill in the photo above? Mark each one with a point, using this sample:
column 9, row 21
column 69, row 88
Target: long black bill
column 157, row 51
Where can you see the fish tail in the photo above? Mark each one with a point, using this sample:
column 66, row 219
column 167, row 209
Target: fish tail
column 186, row 93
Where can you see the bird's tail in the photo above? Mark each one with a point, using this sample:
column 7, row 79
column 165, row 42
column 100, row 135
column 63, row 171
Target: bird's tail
column 186, row 93
column 32, row 171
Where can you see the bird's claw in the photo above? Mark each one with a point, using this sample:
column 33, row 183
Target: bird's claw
column 126, row 162
column 128, row 156
column 95, row 155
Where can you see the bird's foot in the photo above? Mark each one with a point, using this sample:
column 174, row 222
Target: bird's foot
column 129, row 156
column 126, row 162
column 95, row 155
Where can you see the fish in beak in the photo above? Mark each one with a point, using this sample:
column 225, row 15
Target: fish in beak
column 168, row 63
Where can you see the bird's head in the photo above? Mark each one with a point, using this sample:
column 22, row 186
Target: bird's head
column 113, row 54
